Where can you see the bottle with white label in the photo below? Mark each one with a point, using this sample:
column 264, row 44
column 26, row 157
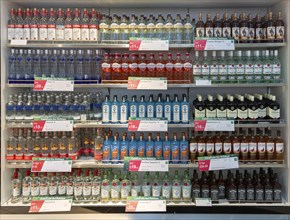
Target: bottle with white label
column 115, row 29
column 223, row 68
column 87, row 186
column 249, row 67
column 240, row 67
column 231, row 66
column 176, row 110
column 210, row 107
column 156, row 186
column 184, row 105
column 186, row 189
column 280, row 28
column 85, row 32
column 11, row 24
column 43, row 25
column 61, row 186
column 273, row 110
column 124, row 111
column 93, row 26
column 78, row 186
column 53, row 185
column 146, row 185
column 209, row 30
column 244, row 30
column 70, row 184
column 267, row 67
column 34, row 26
column 221, row 110
column 214, row 68
column 68, row 26
column 105, row 189
column 168, row 28
column 150, row 107
column 51, row 26
column 258, row 67
column 76, row 26
column 160, row 27
column 178, row 30
column 115, row 189
column 44, row 185
column 176, row 188
column 125, row 188
column 205, row 68
column 35, row 185
column 59, row 25
column 199, row 108
column 96, row 186
column 142, row 107
column 242, row 109
column 276, row 64
column 271, row 30
column 19, row 25
column 26, row 188
column 133, row 107
column 197, row 65
column 166, row 187
column 115, row 111
column 16, row 187
column 135, row 186
column 26, row 25
column 168, row 109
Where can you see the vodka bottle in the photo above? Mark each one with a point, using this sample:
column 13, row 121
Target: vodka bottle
column 26, row 188
column 28, row 109
column 59, row 25
column 37, row 64
column 45, row 64
column 85, row 109
column 43, row 25
column 85, row 32
column 26, row 25
column 37, row 146
column 53, row 185
column 178, row 30
column 51, row 25
column 160, row 27
column 62, row 65
column 79, row 66
column 28, row 65
column 11, row 146
column 96, row 186
column 44, row 185
column 169, row 31
column 68, row 26
column 16, row 188
column 151, row 27
column 87, row 186
column 142, row 27
column 53, row 61
column 76, row 25
column 54, row 149
column 28, row 149
column 10, row 109
column 45, row 145
column 11, row 25
column 133, row 26
column 19, row 66
column 88, row 65
column 93, row 26
column 188, row 30
column 115, row 30
column 70, row 184
column 35, row 188
column 70, row 65
column 19, row 109
column 104, row 30
column 63, row 144
column 72, row 146
column 12, row 66
column 34, row 32
column 124, row 30
column 19, row 25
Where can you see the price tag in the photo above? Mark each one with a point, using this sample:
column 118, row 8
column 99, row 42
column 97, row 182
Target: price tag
column 148, row 45
column 18, row 42
column 214, row 125
column 52, row 125
column 203, row 202
column 57, row 84
column 214, row 44
column 222, row 162
column 50, row 204
column 203, row 82
column 147, row 124
column 148, row 165
column 146, row 83
column 145, row 204
column 51, row 164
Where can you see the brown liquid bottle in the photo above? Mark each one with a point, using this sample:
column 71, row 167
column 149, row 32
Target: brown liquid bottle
column 250, row 189
column 241, row 189
column 209, row 146
column 277, row 189
column 195, row 187
column 231, row 190
column 252, row 145
column 201, row 146
column 271, row 31
column 251, row 29
column 259, row 191
column 226, row 24
column 193, row 147
column 204, row 187
column 280, row 28
column 270, row 146
column 259, row 33
column 227, row 145
column 208, row 26
column 214, row 190
column 261, row 146
column 279, row 148
column 236, row 144
column 217, row 30
column 244, row 147
column 221, row 185
column 235, row 27
column 200, row 32
column 244, row 30
column 269, row 194
column 218, row 144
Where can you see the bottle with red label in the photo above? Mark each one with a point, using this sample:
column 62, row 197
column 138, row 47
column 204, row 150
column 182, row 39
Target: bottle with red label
column 11, row 25
column 116, row 67
column 51, row 26
column 187, row 68
column 19, row 25
column 43, row 25
column 160, row 67
column 93, row 26
column 68, row 28
column 59, row 25
column 34, row 31
column 142, row 65
column 125, row 66
column 76, row 26
column 106, row 68
column 178, row 69
column 133, row 65
column 169, row 67
column 85, row 32
column 151, row 66
column 26, row 25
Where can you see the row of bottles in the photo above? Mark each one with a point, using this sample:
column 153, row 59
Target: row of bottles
column 120, row 67
column 247, row 108
column 175, row 111
column 244, row 29
column 175, row 150
column 35, row 25
column 79, row 65
column 239, row 67
column 92, row 186
column 76, row 106
column 258, row 146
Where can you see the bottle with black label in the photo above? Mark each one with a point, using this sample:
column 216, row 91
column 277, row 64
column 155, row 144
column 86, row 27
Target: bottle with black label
column 241, row 189
column 221, row 186
column 262, row 113
column 231, row 111
column 268, row 191
column 273, row 110
column 252, row 109
column 259, row 191
column 231, row 191
column 210, row 107
column 195, row 187
column 221, row 108
column 250, row 189
column 242, row 110
column 204, row 187
column 199, row 108
column 214, row 190
column 277, row 189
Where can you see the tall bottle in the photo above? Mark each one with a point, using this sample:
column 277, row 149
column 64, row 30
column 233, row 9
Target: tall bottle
column 271, row 31
column 11, row 24
column 280, row 28
column 166, row 187
column 93, row 27
column 19, row 25
column 175, row 149
column 115, row 29
column 26, row 25
column 59, row 25
column 226, row 26
column 200, row 29
column 166, row 148
column 76, row 26
column 43, row 24
column 235, row 27
column 169, row 28
column 51, row 25
column 34, row 31
column 78, row 186
column 209, row 31
column 87, row 186
column 133, row 26
column 176, row 188
column 217, row 30
column 178, row 30
column 85, row 32
column 16, row 188
column 68, row 26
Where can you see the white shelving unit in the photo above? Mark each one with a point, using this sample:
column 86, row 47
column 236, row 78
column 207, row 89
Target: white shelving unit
column 281, row 90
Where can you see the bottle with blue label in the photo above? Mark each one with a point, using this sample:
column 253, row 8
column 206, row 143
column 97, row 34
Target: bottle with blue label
column 115, row 149
column 168, row 109
column 141, row 146
column 106, row 149
column 149, row 146
column 142, row 107
column 183, row 149
column 150, row 107
column 184, row 110
column 76, row 108
column 159, row 107
column 133, row 108
column 132, row 146
column 124, row 147
column 176, row 110
column 106, row 110
column 158, row 147
column 115, row 114
column 175, row 149
column 124, row 110
column 166, row 148
column 10, row 109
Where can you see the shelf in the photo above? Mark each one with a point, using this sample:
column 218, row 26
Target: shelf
column 124, row 86
column 96, row 45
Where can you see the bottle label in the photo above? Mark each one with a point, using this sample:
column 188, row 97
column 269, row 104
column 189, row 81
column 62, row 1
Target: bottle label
column 271, row 33
column 205, row 69
column 114, row 113
column 125, row 67
column 214, row 194
column 199, row 113
column 242, row 114
column 193, row 147
column 142, row 66
column 175, row 152
column 214, row 69
column 52, row 190
column 76, row 32
column 250, row 194
column 274, row 114
column 178, row 25
column 227, row 32
column 259, row 34
column 123, row 114
column 150, row 111
column 259, row 194
column 60, row 32
column 249, row 69
column 26, row 32
column 61, row 189
column 141, row 111
column 184, row 113
column 187, row 67
column 151, row 66
column 269, row 195
column 200, row 32
column 244, row 147
column 26, row 190
column 133, row 111
column 253, row 147
column 43, row 190
column 178, row 66
column 201, row 148
column 42, row 33
column 96, row 188
column 210, row 113
column 146, row 190
column 186, row 191
column 270, row 147
column 237, row 148
column 93, row 33
column 103, row 26
column 232, row 194
column 69, row 189
column 11, row 32
column 232, row 113
column 16, row 191
column 156, row 191
column 221, row 113
column 244, row 32
column 240, row 69
column 167, row 112
column 176, row 192
column 166, row 191
column 176, row 113
column 280, row 148
column 133, row 66
column 241, row 194
column 87, row 189
column 262, row 112
column 277, row 195
column 227, row 148
column 267, row 69
column 35, row 190
column 135, row 191
column 159, row 111
column 197, row 69
column 218, row 32
column 105, row 111
column 51, row 32
column 158, row 150
column 277, row 69
column 166, row 152
column 280, row 32
column 105, row 192
column 222, row 191
column 68, row 32
column 236, row 33
column 218, row 148
column 253, row 113
column 258, row 68
column 141, row 26
column 115, row 152
column 149, row 26
column 209, row 32
column 125, row 191
column 209, row 148
column 19, row 32
column 85, row 32
column 188, row 26
column 78, row 189
column 195, row 193
column 168, row 25
column 159, row 66
column 204, row 193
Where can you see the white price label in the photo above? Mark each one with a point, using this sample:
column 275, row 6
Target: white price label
column 147, row 125
column 203, row 202
column 203, row 82
column 148, row 165
column 214, row 44
column 148, row 45
column 19, row 42
column 224, row 163
column 52, row 125
column 53, row 85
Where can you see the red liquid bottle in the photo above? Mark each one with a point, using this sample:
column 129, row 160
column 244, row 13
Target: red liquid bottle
column 125, row 66
column 133, row 66
column 151, row 66
column 178, row 69
column 169, row 67
column 106, row 68
column 160, row 67
column 142, row 65
column 187, row 67
column 116, row 67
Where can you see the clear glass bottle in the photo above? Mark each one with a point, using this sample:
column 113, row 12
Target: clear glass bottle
column 115, row 189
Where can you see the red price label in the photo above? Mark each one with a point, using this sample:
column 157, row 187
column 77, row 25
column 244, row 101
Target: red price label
column 199, row 44
column 134, row 165
column 36, row 206
column 133, row 125
column 133, row 84
column 203, row 165
column 39, row 85
column 199, row 125
column 37, row 165
column 38, row 125
column 134, row 45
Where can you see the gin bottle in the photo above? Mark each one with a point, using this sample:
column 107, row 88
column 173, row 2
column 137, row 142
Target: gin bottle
column 115, row 189
column 222, row 66
column 205, row 70
column 44, row 185
column 26, row 188
column 166, row 187
column 96, row 186
column 240, row 67
column 276, row 67
column 87, row 186
column 35, row 187
column 258, row 67
column 125, row 188
column 267, row 68
column 135, row 186
column 176, row 188
column 249, row 67
column 10, row 109
column 105, row 189
column 156, row 186
column 146, row 185
column 104, row 30
column 214, row 68
column 231, row 65
column 78, row 186
column 16, row 188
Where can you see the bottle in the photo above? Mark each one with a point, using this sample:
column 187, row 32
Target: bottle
column 259, row 191
column 35, row 187
column 68, row 26
column 28, row 147
column 142, row 65
column 115, row 149
column 78, row 186
column 280, row 28
column 104, row 32
column 176, row 188
column 76, row 26
column 125, row 188
column 141, row 27
column 160, row 66
column 70, row 184
column 214, row 190
column 133, row 107
column 232, row 193
column 210, row 108
column 176, row 110
column 159, row 107
column 51, row 25
column 151, row 27
column 133, row 27
column 96, row 186
column 93, row 26
column 186, row 189
column 214, row 68
column 253, row 109
column 124, row 30
column 149, row 146
column 200, row 28
column 242, row 109
column 166, row 187
column 175, row 149
column 273, row 110
column 253, row 147
column 105, row 189
column 178, row 30
column 44, row 185
column 178, row 69
column 43, row 24
column 187, row 69
column 12, row 67
column 135, row 187
column 156, row 186
column 34, row 26
column 209, row 30
column 123, row 147
column 267, row 68
column 169, row 28
column 218, row 144
column 188, row 30
column 244, row 147
column 205, row 70
column 199, row 108
column 221, row 108
column 223, row 68
column 53, row 185
column 151, row 66
column 244, row 29
column 195, row 186
column 11, row 24
column 160, row 28
column 19, row 66
column 88, row 60
column 26, row 26
column 150, row 107
column 217, row 30
column 115, row 114
column 19, row 25
column 204, row 186
column 85, row 32
column 235, row 27
column 141, row 146
column 201, row 145
column 132, row 146
column 16, row 188
column 115, row 29
column 146, row 185
column 166, row 148
column 26, row 188
column 98, row 155
column 276, row 64
column 87, row 186
column 241, row 189
column 168, row 109
column 59, row 25
column 271, row 30
column 10, row 109
column 106, row 110
column 197, row 67
column 158, row 147
column 115, row 189
column 61, row 185
column 279, row 147
column 226, row 26
column 184, row 154
column 19, row 109
column 277, row 188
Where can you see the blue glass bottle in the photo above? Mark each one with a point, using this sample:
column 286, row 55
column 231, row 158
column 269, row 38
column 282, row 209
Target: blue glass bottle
column 150, row 107
column 174, row 149
column 124, row 144
column 124, row 110
column 115, row 111
column 11, row 69
column 133, row 108
column 142, row 107
column 176, row 110
column 184, row 110
column 106, row 110
column 115, row 149
column 28, row 72
column 159, row 107
column 168, row 109
column 141, row 146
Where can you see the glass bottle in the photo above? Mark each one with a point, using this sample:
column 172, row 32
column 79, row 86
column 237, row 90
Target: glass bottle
column 217, row 30
column 209, row 26
column 280, row 28
column 235, row 27
column 271, row 31
column 200, row 28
